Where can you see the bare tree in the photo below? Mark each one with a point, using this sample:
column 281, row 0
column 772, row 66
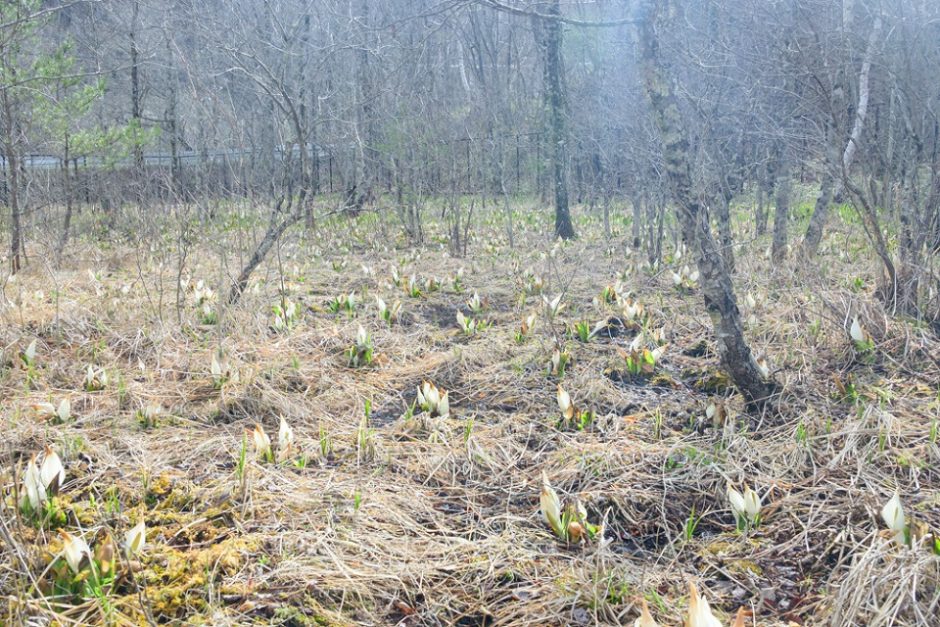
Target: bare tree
column 717, row 289
column 897, row 188
column 269, row 67
column 13, row 39
column 556, row 102
column 782, row 186
column 831, row 186
column 394, row 106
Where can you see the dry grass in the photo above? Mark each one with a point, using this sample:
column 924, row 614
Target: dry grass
column 440, row 526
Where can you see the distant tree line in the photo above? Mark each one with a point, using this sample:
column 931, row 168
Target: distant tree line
column 696, row 105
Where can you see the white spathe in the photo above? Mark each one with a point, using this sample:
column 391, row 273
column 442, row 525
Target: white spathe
column 752, row 503
column 443, row 407
column 33, row 485
column 858, row 335
column 136, row 539
column 52, row 472
column 64, row 411
column 74, row 550
column 551, row 507
column 645, row 619
column 285, row 437
column 893, row 515
column 30, row 352
column 700, row 613
column 261, row 441
column 737, row 502
column 564, row 399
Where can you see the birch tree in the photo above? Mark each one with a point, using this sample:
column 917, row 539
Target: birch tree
column 717, row 289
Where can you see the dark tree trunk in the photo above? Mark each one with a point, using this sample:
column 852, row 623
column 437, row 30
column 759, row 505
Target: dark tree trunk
column 760, row 222
column 136, row 105
column 817, row 221
column 67, row 220
column 832, row 185
column 782, row 210
column 607, row 217
column 176, row 170
column 304, row 138
column 366, row 166
column 869, row 215
column 656, row 225
column 637, row 221
column 724, row 226
column 287, row 212
column 555, row 95
column 13, row 168
column 910, row 262
column 717, row 289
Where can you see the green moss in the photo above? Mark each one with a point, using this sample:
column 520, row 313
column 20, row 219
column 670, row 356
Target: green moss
column 662, row 379
column 744, row 567
column 708, row 380
column 84, row 513
column 158, row 489
column 719, row 548
column 166, row 493
column 310, row 615
column 176, row 580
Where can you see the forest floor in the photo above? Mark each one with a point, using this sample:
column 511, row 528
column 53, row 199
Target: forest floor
column 425, row 520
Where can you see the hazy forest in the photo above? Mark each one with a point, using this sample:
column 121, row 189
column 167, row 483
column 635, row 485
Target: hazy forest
column 470, row 312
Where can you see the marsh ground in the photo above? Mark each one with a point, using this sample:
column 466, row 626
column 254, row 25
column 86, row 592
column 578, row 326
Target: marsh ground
column 436, row 521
